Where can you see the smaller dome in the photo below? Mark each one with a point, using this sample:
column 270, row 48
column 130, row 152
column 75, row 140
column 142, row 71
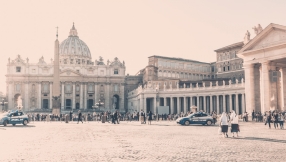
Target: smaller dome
column 74, row 46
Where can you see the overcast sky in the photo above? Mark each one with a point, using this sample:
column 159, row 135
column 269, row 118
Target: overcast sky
column 129, row 29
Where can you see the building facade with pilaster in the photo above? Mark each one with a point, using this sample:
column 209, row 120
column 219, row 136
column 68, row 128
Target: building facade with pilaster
column 83, row 82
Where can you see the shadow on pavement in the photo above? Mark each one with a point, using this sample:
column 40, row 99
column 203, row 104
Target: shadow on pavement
column 18, row 126
column 263, row 139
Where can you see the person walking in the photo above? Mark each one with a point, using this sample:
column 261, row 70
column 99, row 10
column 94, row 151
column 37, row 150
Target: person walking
column 141, row 117
column 252, row 115
column 234, row 124
column 268, row 119
column 224, row 124
column 281, row 120
column 149, row 117
column 79, row 118
column 275, row 116
column 214, row 116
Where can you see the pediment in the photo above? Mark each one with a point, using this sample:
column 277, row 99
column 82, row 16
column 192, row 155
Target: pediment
column 271, row 36
column 69, row 73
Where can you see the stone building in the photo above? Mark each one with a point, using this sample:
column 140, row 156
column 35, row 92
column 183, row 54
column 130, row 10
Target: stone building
column 181, row 84
column 228, row 64
column 83, row 81
column 264, row 59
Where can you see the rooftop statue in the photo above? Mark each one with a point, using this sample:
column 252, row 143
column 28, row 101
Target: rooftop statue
column 257, row 29
column 246, row 37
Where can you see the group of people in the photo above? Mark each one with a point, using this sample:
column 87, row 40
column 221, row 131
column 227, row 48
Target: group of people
column 224, row 123
column 275, row 118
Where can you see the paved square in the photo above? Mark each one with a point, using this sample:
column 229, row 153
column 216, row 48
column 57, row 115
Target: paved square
column 162, row 141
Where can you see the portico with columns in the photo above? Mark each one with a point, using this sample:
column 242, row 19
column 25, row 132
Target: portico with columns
column 265, row 63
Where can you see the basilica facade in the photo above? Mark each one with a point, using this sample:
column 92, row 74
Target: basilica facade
column 83, row 82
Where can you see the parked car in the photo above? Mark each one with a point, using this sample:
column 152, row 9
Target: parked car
column 13, row 117
column 196, row 118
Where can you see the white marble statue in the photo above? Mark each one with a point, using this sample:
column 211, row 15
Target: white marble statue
column 19, row 103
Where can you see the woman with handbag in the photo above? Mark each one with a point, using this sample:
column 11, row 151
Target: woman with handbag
column 234, row 123
column 224, row 124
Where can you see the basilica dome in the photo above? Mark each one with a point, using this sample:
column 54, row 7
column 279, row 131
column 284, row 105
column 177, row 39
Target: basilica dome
column 73, row 46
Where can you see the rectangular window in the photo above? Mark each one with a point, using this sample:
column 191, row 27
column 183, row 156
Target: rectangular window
column 274, row 76
column 90, row 88
column 115, row 87
column 102, row 72
column 115, row 71
column 77, row 95
column 18, row 69
column 77, row 88
column 18, row 87
column 68, row 88
column 46, row 88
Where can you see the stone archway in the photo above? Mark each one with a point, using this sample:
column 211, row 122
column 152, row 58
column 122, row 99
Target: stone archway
column 16, row 96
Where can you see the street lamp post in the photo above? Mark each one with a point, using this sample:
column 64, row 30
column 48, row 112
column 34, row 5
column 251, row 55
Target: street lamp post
column 3, row 103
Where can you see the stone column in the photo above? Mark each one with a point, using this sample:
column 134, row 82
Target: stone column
column 198, row 103
column 40, row 95
column 242, row 104
column 185, row 104
column 283, row 87
column 178, row 105
column 145, row 105
column 141, row 100
column 26, row 96
column 230, row 103
column 190, row 103
column 85, row 96
column 249, row 87
column 95, row 93
column 172, row 105
column 205, row 104
column 211, row 104
column 155, row 105
column 81, row 96
column 217, row 104
column 107, row 102
column 266, row 88
column 165, row 101
column 10, row 95
column 223, row 103
column 73, row 95
column 63, row 96
column 51, row 95
column 236, row 103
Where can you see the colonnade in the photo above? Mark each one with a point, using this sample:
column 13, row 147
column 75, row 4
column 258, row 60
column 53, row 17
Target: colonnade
column 183, row 104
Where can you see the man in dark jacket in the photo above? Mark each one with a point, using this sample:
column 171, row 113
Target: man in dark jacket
column 70, row 115
column 79, row 117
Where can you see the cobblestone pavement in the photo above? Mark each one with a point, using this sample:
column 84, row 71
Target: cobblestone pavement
column 161, row 141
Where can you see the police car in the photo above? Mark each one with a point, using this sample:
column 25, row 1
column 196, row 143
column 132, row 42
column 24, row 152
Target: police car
column 13, row 117
column 196, row 118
